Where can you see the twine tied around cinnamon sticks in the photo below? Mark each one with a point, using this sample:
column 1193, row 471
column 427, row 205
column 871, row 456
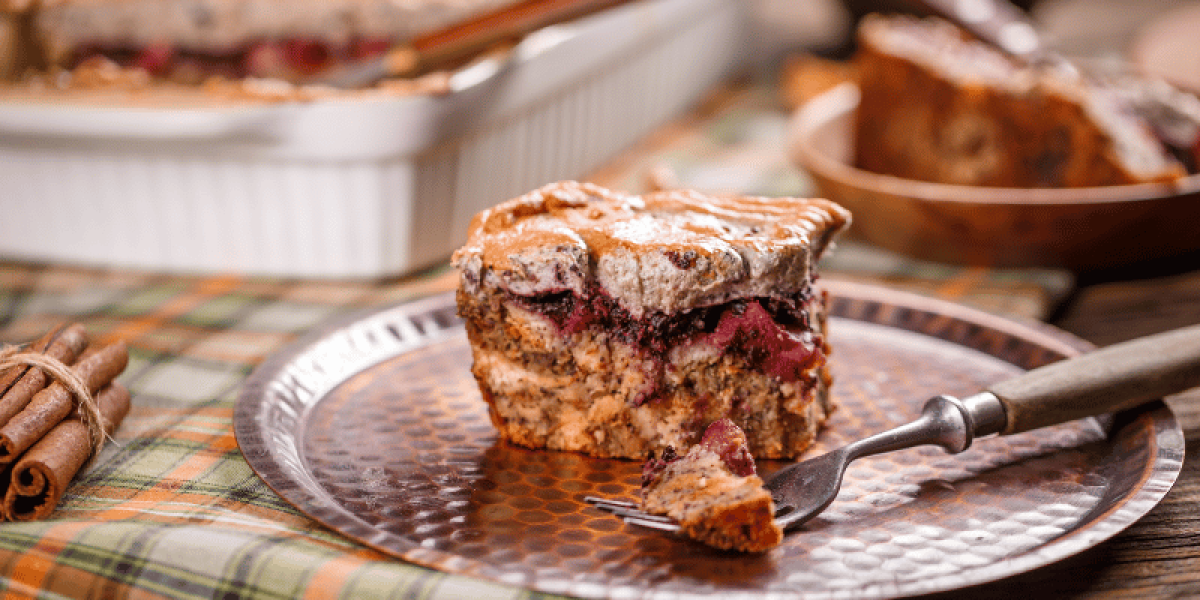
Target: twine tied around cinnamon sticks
column 58, row 403
column 13, row 356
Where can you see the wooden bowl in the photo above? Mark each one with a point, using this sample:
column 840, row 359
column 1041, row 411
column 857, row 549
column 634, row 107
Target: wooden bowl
column 1076, row 228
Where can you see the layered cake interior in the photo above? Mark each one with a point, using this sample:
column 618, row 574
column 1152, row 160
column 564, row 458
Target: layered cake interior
column 972, row 116
column 620, row 325
column 713, row 492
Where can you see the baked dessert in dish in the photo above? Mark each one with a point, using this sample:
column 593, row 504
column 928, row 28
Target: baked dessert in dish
column 102, row 82
column 713, row 492
column 620, row 325
column 938, row 106
column 190, row 40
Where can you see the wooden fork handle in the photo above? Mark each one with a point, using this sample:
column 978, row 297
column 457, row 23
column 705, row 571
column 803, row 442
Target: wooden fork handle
column 1113, row 378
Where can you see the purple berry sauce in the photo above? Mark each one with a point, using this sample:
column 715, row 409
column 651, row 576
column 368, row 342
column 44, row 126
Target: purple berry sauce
column 773, row 334
column 754, row 333
column 723, row 438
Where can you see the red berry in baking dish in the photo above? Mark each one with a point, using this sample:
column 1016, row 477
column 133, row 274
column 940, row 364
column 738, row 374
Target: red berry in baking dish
column 155, row 58
column 368, row 47
column 306, row 56
column 265, row 59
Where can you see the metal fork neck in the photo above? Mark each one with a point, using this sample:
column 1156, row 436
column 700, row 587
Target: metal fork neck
column 987, row 413
column 945, row 421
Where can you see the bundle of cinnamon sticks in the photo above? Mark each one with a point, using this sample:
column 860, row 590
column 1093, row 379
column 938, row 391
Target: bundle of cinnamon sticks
column 58, row 402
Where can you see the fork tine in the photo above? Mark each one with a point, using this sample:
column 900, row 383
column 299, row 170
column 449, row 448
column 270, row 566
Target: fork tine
column 630, row 513
column 669, row 525
column 607, row 503
column 644, row 516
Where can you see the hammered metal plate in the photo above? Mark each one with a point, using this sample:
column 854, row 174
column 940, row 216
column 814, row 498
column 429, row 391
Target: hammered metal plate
column 375, row 429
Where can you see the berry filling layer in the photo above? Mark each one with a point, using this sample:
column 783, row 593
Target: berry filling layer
column 288, row 59
column 775, row 336
column 723, row 438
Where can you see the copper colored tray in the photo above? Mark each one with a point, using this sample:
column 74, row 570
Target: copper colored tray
column 375, row 429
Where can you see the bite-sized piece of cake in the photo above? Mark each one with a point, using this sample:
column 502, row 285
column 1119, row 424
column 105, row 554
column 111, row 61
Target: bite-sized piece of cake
column 938, row 106
column 620, row 325
column 190, row 40
column 713, row 492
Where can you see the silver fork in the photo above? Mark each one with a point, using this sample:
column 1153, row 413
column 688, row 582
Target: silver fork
column 1111, row 379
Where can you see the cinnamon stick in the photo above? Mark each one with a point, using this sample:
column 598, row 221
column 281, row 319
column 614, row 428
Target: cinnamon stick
column 39, row 479
column 50, row 406
column 11, row 374
column 19, row 384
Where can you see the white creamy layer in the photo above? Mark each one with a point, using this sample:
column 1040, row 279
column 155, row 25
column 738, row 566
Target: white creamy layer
column 662, row 252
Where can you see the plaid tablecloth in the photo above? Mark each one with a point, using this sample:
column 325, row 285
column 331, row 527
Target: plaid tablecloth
column 172, row 509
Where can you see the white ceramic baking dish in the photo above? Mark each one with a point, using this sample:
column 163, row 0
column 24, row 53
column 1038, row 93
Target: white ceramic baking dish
column 351, row 188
